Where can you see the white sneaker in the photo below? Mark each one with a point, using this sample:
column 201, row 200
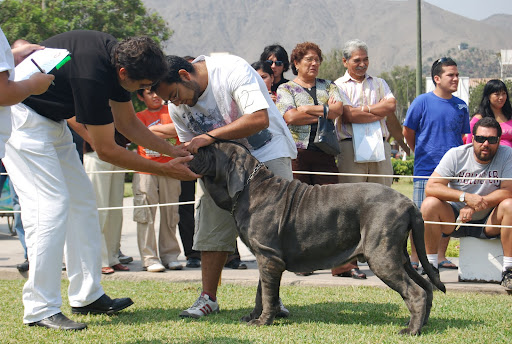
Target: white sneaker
column 157, row 267
column 203, row 306
column 174, row 266
column 283, row 312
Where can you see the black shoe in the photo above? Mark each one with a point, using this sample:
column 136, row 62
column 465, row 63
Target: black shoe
column 193, row 263
column 59, row 322
column 23, row 266
column 236, row 264
column 124, row 259
column 104, row 305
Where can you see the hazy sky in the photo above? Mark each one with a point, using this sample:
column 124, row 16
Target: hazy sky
column 474, row 9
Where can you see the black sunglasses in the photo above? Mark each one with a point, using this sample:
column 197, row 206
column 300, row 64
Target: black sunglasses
column 491, row 139
column 278, row 63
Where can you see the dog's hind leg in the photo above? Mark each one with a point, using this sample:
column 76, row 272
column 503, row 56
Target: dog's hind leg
column 391, row 271
column 422, row 282
column 258, row 306
column 271, row 270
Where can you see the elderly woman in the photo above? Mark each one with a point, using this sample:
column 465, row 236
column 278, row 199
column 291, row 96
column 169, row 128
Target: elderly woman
column 301, row 101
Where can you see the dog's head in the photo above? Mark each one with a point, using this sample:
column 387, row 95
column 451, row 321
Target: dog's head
column 225, row 168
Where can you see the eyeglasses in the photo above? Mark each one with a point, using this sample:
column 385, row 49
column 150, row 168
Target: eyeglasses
column 491, row 139
column 278, row 63
column 176, row 98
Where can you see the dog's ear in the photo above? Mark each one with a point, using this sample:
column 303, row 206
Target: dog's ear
column 230, row 164
column 204, row 162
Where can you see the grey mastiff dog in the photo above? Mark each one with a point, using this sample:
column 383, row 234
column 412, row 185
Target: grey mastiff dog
column 298, row 227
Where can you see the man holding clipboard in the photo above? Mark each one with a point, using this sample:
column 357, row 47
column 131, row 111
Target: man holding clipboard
column 58, row 202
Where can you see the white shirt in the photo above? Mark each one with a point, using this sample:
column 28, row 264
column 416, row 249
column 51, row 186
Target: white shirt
column 234, row 89
column 6, row 65
column 357, row 94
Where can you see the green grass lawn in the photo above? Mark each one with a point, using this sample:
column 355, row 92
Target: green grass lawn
column 318, row 315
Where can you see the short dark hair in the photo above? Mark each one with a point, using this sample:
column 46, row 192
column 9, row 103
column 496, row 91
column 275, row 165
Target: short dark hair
column 140, row 91
column 494, row 86
column 487, row 122
column 437, row 66
column 279, row 52
column 141, row 57
column 301, row 50
column 174, row 65
column 259, row 65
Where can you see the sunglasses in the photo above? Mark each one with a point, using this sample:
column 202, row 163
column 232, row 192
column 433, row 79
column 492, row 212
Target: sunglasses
column 441, row 60
column 278, row 63
column 491, row 139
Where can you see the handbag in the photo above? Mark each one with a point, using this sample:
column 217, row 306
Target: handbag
column 326, row 138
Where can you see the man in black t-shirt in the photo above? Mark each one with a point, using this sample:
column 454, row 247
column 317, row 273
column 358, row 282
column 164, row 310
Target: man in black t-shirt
column 58, row 202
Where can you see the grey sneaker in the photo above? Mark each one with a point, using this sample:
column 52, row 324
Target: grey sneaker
column 283, row 312
column 124, row 259
column 203, row 306
column 506, row 279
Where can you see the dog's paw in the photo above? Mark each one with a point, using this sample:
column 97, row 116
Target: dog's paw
column 254, row 322
column 407, row 331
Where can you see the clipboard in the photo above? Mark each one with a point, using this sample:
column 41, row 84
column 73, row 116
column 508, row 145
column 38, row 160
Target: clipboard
column 47, row 59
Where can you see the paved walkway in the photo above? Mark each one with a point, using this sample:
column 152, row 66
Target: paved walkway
column 11, row 253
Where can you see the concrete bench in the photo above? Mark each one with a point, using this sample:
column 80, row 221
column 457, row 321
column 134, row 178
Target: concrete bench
column 480, row 260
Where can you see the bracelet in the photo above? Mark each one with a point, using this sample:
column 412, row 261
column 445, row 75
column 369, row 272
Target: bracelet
column 362, row 108
column 369, row 110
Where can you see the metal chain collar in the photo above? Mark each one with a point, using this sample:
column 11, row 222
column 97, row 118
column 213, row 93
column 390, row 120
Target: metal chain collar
column 251, row 176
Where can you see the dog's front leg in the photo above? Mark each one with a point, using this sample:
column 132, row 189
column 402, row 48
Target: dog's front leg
column 271, row 271
column 258, row 307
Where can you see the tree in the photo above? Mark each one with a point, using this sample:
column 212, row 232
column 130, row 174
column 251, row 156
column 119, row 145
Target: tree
column 36, row 20
column 332, row 66
column 402, row 82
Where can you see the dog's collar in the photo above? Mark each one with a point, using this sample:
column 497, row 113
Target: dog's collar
column 251, row 176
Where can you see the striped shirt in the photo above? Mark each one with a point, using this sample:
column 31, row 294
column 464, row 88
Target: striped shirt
column 357, row 94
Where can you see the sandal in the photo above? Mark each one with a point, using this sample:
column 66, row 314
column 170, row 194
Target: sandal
column 107, row 270
column 354, row 273
column 447, row 265
column 415, row 265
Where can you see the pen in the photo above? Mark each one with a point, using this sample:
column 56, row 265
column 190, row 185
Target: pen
column 40, row 69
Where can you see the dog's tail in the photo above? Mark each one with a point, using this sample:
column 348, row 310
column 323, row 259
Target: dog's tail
column 418, row 235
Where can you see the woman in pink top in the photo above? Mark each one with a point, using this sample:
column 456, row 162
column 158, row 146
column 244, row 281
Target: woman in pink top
column 495, row 103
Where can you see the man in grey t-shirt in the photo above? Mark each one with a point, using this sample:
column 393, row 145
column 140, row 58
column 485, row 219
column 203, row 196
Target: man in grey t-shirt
column 466, row 199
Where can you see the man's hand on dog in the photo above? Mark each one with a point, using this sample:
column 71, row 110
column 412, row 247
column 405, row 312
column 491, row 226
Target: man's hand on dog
column 198, row 142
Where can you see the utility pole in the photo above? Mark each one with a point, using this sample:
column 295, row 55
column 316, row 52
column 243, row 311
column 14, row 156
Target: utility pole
column 419, row 78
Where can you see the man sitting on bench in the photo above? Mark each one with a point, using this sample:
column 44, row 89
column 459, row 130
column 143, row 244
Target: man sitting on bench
column 469, row 200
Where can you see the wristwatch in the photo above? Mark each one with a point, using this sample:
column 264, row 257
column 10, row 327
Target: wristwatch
column 462, row 197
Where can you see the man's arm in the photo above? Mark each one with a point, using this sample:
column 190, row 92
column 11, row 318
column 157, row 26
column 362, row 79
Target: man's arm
column 246, row 125
column 164, row 131
column 438, row 188
column 102, row 137
column 80, row 130
column 410, row 137
column 498, row 196
column 371, row 113
column 395, row 129
column 14, row 92
column 129, row 125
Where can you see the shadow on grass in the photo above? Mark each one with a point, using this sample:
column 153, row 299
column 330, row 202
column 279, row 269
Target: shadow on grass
column 213, row 339
column 342, row 313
